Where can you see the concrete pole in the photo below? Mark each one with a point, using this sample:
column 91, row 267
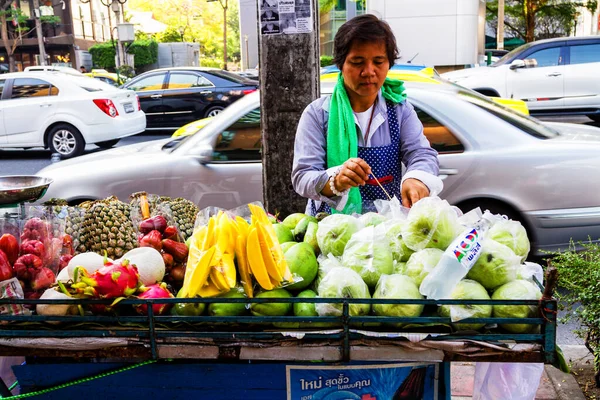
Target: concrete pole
column 289, row 80
column 38, row 32
column 500, row 33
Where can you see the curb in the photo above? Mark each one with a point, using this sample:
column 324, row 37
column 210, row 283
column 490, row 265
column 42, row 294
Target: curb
column 566, row 385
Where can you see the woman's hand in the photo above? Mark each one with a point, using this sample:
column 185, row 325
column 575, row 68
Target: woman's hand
column 413, row 190
column 355, row 172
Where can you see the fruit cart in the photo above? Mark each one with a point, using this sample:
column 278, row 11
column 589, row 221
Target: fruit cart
column 135, row 355
column 247, row 357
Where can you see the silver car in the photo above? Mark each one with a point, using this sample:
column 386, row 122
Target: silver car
column 541, row 174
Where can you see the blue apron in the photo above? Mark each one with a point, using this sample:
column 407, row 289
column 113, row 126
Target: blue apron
column 385, row 166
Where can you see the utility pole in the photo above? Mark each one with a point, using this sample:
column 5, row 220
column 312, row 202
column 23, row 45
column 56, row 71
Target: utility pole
column 38, row 31
column 500, row 32
column 289, row 80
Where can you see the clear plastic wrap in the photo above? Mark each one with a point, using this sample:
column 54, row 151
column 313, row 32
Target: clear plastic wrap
column 467, row 289
column 516, row 290
column 397, row 287
column 342, row 282
column 421, row 263
column 393, row 231
column 335, row 231
column 431, row 222
column 496, row 265
column 515, row 381
column 326, row 264
column 512, row 234
column 368, row 253
column 528, row 270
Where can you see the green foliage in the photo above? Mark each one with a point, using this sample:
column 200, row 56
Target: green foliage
column 103, row 54
column 170, row 35
column 554, row 18
column 326, row 60
column 328, row 5
column 146, row 52
column 49, row 19
column 579, row 281
column 126, row 70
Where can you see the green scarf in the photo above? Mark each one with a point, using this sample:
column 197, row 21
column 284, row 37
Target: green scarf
column 342, row 142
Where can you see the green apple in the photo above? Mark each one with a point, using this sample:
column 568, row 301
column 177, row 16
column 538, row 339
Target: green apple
column 272, row 309
column 287, row 245
column 284, row 234
column 310, row 236
column 302, row 262
column 292, row 220
column 228, row 309
column 306, row 309
column 302, row 226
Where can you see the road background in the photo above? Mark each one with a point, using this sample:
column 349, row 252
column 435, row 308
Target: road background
column 29, row 162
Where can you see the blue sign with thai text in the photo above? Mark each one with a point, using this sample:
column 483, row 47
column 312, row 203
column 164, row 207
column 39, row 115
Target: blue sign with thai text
column 363, row 382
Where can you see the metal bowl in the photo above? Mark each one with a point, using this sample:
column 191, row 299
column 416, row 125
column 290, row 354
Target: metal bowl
column 21, row 189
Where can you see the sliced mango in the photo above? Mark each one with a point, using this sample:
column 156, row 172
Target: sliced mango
column 255, row 260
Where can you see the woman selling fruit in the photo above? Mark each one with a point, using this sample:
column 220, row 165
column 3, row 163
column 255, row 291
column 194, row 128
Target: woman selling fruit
column 350, row 143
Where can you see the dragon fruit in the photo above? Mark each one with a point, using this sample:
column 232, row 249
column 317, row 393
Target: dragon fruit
column 156, row 291
column 114, row 279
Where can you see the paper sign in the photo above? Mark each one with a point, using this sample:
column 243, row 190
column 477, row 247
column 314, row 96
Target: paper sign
column 285, row 16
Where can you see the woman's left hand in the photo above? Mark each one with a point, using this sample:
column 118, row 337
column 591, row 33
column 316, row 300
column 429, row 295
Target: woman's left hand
column 413, row 190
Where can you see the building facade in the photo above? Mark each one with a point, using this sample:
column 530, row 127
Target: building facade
column 66, row 43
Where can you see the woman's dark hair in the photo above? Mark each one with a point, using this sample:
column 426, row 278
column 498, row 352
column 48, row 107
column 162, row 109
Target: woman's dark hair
column 363, row 28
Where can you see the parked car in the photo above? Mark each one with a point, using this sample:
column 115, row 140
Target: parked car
column 107, row 77
column 554, row 76
column 173, row 97
column 490, row 157
column 53, row 68
column 424, row 76
column 64, row 112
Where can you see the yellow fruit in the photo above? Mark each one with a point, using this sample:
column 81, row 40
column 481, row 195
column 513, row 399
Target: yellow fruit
column 209, row 290
column 199, row 274
column 242, row 263
column 267, row 255
column 274, row 249
column 255, row 260
column 209, row 239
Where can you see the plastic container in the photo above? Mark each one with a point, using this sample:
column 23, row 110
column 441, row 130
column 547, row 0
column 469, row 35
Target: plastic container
column 457, row 260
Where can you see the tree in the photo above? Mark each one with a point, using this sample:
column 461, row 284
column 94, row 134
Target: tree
column 538, row 19
column 328, row 5
column 202, row 24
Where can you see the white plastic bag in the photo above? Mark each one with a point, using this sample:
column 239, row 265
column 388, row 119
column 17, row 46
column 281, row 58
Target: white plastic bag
column 515, row 381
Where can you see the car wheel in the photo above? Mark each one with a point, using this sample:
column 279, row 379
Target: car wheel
column 595, row 117
column 214, row 111
column 107, row 144
column 66, row 140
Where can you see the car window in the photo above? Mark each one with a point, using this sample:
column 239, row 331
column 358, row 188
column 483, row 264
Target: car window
column 587, row 53
column 439, row 136
column 106, row 80
column 153, row 82
column 241, row 141
column 187, row 81
column 546, row 57
column 1, row 87
column 29, row 87
column 230, row 76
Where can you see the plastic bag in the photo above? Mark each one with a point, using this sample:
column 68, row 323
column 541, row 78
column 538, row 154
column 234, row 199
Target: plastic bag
column 512, row 234
column 529, row 270
column 335, row 231
column 431, row 222
column 517, row 290
column 515, row 381
column 326, row 264
column 391, row 208
column 393, row 231
column 342, row 282
column 368, row 253
column 467, row 290
column 421, row 263
column 496, row 265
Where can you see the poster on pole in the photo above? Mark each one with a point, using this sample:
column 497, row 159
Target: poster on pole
column 285, row 16
column 363, row 382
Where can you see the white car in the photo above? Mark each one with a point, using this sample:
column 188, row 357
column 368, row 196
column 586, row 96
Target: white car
column 64, row 112
column 46, row 68
column 554, row 76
